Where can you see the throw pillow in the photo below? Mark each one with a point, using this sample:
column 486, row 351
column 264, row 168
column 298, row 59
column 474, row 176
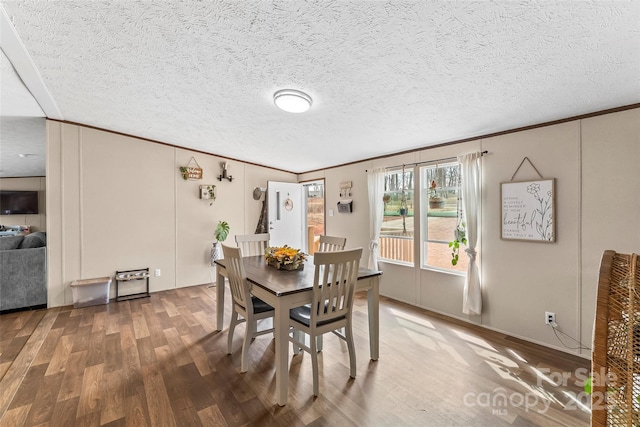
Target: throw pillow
column 34, row 240
column 10, row 242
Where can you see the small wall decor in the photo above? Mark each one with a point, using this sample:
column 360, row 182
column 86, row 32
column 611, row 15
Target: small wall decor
column 288, row 204
column 192, row 171
column 345, row 205
column 345, row 189
column 225, row 166
column 208, row 192
column 528, row 209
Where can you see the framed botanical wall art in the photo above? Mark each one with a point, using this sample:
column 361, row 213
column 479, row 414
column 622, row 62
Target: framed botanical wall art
column 208, row 192
column 528, row 210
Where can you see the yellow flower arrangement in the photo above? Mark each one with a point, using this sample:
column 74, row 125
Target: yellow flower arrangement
column 285, row 257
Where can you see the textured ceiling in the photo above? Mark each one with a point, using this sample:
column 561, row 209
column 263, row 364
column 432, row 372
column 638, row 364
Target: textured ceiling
column 385, row 76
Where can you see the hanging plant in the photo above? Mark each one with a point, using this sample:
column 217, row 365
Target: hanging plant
column 460, row 232
column 403, row 210
column 459, row 238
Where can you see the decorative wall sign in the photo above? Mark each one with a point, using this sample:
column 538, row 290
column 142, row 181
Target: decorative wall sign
column 345, row 189
column 528, row 210
column 192, row 171
column 288, row 204
column 208, row 192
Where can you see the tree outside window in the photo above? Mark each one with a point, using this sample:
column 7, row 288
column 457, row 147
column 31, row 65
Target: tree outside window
column 441, row 212
column 396, row 234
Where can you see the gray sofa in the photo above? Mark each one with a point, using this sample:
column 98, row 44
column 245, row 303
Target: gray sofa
column 23, row 272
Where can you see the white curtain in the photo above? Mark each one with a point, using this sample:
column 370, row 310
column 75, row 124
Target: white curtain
column 375, row 180
column 470, row 175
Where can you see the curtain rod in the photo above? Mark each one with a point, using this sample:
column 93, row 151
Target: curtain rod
column 445, row 159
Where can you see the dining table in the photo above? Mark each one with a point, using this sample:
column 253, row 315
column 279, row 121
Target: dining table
column 285, row 289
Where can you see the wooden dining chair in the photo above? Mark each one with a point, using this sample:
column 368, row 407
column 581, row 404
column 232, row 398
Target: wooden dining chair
column 331, row 308
column 331, row 244
column 253, row 244
column 251, row 308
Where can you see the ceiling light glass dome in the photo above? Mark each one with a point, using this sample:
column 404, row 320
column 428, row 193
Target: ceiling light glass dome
column 292, row 101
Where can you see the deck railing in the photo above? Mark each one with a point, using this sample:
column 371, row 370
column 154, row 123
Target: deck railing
column 399, row 248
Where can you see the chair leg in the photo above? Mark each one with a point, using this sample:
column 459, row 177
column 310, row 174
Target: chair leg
column 314, row 364
column 319, row 342
column 232, row 327
column 298, row 335
column 249, row 331
column 352, row 351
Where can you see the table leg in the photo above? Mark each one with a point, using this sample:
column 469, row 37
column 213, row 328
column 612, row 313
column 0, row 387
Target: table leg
column 219, row 299
column 373, row 300
column 281, row 332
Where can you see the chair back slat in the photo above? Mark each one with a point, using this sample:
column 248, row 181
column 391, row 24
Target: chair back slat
column 332, row 244
column 253, row 244
column 616, row 342
column 334, row 284
column 237, row 276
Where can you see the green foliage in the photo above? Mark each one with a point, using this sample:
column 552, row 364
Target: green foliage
column 222, row 231
column 460, row 238
column 183, row 171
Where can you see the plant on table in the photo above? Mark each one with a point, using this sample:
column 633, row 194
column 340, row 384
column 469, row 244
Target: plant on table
column 279, row 256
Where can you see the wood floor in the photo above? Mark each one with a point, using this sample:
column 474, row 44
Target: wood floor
column 158, row 361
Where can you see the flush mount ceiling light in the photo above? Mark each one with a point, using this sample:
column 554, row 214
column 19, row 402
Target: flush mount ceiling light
column 292, row 101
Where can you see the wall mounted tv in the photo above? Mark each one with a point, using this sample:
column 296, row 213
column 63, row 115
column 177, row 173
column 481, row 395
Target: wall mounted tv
column 18, row 202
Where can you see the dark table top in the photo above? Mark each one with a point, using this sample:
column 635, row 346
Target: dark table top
column 282, row 282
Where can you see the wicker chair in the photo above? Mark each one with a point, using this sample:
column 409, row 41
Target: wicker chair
column 615, row 361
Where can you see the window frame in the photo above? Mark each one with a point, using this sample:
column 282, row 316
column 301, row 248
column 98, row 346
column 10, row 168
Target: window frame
column 424, row 186
column 411, row 213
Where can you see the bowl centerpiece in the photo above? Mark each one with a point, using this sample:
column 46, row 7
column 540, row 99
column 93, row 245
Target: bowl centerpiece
column 285, row 257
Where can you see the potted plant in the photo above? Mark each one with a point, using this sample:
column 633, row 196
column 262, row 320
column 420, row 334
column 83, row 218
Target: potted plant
column 285, row 257
column 435, row 201
column 386, row 199
column 403, row 210
column 459, row 238
column 220, row 233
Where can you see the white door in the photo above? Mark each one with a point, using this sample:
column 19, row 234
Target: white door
column 287, row 214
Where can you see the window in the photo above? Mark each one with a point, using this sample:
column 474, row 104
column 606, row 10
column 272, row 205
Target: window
column 315, row 214
column 440, row 207
column 396, row 234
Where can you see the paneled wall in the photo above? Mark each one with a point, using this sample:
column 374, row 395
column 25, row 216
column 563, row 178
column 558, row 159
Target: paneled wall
column 595, row 162
column 118, row 203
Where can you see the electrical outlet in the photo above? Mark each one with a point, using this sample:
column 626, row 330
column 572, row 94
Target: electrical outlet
column 549, row 318
column 157, row 272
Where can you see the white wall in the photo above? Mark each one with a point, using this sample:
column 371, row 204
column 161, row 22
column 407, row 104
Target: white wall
column 119, row 203
column 591, row 159
column 38, row 183
column 522, row 280
column 610, row 198
column 116, row 202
